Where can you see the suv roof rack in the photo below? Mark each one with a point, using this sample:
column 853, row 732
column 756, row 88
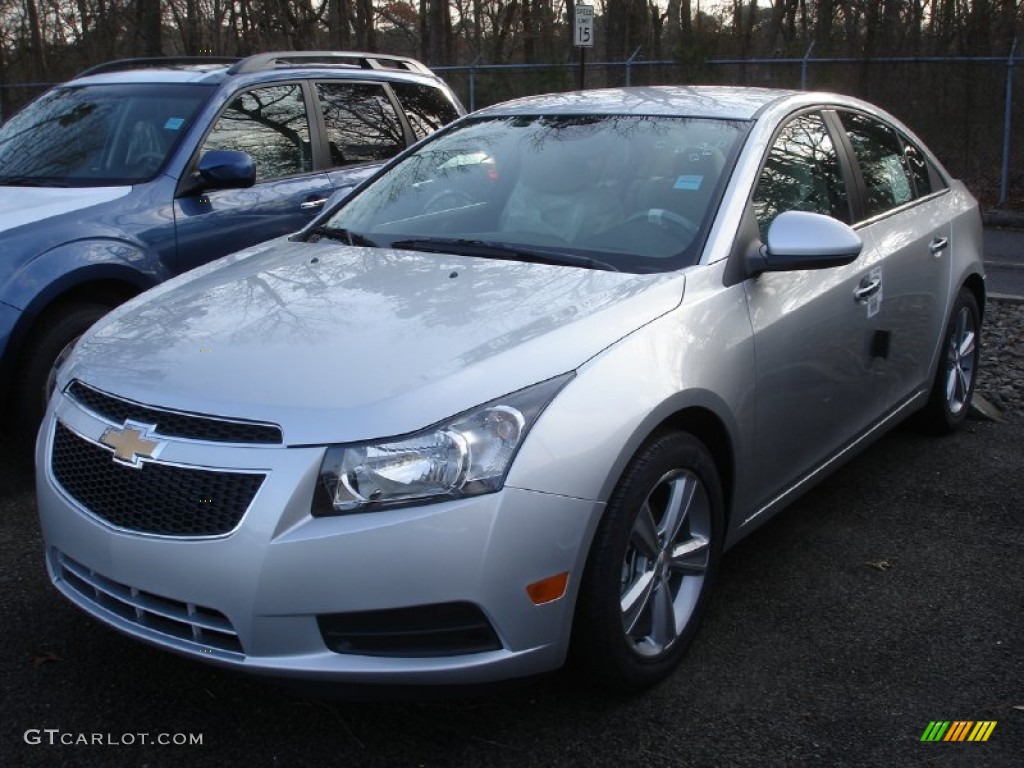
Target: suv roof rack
column 121, row 65
column 265, row 61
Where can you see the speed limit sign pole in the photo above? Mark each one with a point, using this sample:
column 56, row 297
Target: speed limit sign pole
column 583, row 34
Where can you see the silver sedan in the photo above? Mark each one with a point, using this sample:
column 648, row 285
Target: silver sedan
column 513, row 399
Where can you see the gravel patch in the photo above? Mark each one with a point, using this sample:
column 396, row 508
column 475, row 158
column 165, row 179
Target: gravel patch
column 1001, row 378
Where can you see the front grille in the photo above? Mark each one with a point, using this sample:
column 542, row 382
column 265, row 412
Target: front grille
column 441, row 629
column 152, row 498
column 173, row 423
column 206, row 628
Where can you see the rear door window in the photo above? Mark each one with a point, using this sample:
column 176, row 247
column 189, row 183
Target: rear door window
column 879, row 152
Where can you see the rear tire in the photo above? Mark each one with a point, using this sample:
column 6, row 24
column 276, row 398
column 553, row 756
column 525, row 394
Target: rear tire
column 651, row 566
column 953, row 388
column 46, row 349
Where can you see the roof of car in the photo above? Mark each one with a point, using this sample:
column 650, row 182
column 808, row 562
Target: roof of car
column 723, row 102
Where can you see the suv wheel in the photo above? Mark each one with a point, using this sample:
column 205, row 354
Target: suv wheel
column 46, row 349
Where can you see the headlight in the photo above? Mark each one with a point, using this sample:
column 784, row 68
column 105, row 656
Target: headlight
column 468, row 455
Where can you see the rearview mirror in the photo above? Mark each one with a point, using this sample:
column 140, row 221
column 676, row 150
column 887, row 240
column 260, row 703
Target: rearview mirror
column 802, row 240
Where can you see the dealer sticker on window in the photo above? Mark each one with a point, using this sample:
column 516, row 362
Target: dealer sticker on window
column 691, row 182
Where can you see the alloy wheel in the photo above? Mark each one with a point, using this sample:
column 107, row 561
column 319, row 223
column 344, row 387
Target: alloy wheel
column 665, row 564
column 960, row 361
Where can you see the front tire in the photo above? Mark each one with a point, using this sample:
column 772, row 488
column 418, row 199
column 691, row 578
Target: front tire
column 953, row 388
column 651, row 566
column 46, row 349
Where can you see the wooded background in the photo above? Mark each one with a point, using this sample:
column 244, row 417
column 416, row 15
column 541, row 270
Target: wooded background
column 50, row 39
column 957, row 105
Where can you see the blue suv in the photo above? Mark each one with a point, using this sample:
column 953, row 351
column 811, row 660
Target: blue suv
column 139, row 170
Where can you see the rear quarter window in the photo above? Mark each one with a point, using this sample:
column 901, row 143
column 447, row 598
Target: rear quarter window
column 427, row 108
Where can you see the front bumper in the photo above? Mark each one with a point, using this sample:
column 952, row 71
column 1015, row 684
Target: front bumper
column 250, row 598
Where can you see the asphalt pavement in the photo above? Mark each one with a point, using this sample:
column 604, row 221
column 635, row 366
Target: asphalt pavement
column 887, row 598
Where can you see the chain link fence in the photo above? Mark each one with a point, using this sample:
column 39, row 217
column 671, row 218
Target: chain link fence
column 968, row 110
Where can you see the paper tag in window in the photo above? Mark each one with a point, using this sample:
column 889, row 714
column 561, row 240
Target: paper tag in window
column 691, row 182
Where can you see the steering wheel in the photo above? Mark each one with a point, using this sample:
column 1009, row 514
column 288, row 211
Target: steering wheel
column 659, row 217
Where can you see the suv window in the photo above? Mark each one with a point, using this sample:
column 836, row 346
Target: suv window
column 426, row 107
column 802, row 173
column 97, row 135
column 880, row 154
column 271, row 125
column 362, row 124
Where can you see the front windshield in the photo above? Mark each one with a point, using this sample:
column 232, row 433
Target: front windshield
column 630, row 193
column 97, row 135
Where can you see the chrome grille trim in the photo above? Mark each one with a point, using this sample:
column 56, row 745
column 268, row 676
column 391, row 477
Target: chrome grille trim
column 199, row 628
column 168, row 423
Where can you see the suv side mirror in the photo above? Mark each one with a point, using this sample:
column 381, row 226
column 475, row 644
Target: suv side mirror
column 803, row 240
column 226, row 169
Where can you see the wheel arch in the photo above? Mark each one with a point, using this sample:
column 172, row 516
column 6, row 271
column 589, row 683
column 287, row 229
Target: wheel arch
column 103, row 284
column 705, row 425
column 975, row 283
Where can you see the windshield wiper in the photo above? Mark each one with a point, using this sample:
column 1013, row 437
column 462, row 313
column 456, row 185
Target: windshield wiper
column 488, row 250
column 344, row 235
column 29, row 181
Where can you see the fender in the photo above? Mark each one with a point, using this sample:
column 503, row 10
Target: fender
column 58, row 270
column 70, row 268
column 647, row 380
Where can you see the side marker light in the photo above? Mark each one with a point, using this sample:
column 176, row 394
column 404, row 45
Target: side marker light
column 549, row 589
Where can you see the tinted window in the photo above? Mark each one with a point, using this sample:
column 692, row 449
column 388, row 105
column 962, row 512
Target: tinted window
column 427, row 108
column 362, row 125
column 271, row 125
column 926, row 178
column 880, row 154
column 97, row 134
column 802, row 174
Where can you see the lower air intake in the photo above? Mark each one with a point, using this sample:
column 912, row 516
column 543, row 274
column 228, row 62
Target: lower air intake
column 442, row 629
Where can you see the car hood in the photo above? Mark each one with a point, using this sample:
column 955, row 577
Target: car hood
column 25, row 205
column 339, row 344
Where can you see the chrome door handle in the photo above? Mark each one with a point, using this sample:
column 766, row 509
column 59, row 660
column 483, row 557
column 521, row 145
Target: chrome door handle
column 868, row 287
column 938, row 245
column 311, row 205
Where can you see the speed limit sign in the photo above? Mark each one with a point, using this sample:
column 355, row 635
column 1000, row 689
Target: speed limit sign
column 584, row 33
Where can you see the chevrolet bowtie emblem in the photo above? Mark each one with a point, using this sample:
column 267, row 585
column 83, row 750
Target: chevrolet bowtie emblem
column 130, row 443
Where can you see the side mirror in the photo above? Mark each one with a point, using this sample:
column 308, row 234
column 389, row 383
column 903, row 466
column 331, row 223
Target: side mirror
column 227, row 169
column 802, row 240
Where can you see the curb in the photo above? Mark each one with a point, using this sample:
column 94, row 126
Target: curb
column 997, row 218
